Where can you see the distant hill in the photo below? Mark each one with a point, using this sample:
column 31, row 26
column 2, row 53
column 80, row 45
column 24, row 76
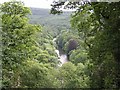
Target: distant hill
column 42, row 17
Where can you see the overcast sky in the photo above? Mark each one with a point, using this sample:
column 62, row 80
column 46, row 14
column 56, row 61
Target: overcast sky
column 35, row 3
column 42, row 3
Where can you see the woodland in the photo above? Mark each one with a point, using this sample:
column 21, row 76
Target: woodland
column 34, row 42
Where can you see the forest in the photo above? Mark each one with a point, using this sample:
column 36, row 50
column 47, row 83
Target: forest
column 51, row 48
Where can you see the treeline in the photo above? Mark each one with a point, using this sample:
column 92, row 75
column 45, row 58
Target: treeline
column 92, row 46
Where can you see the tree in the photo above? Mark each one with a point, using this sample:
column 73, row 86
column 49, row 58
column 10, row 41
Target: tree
column 108, row 49
column 78, row 56
column 18, row 41
column 99, row 24
column 72, row 44
column 72, row 76
column 35, row 75
column 67, row 76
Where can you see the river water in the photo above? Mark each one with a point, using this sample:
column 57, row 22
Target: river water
column 62, row 56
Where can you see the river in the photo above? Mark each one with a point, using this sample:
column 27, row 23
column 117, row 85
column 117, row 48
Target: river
column 62, row 56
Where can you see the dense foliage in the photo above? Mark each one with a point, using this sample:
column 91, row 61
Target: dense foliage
column 21, row 45
column 98, row 23
column 92, row 46
column 29, row 59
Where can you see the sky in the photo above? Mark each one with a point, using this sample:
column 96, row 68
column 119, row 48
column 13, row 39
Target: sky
column 39, row 3
column 34, row 3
